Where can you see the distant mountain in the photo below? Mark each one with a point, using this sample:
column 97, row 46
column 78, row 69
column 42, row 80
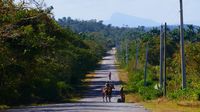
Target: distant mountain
column 119, row 19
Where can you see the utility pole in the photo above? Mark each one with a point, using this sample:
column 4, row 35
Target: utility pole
column 161, row 57
column 136, row 55
column 183, row 71
column 119, row 50
column 126, row 52
column 164, row 67
column 117, row 45
column 145, row 66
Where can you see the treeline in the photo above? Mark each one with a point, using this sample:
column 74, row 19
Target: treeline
column 131, row 44
column 39, row 60
column 136, row 51
column 96, row 30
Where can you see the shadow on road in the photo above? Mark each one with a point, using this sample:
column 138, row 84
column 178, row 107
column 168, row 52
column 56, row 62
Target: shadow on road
column 95, row 89
column 92, row 101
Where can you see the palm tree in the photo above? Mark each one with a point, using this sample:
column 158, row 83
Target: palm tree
column 190, row 32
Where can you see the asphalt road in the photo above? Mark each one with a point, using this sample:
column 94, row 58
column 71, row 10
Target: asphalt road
column 92, row 101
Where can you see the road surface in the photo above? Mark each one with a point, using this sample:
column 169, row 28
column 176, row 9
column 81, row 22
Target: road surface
column 92, row 101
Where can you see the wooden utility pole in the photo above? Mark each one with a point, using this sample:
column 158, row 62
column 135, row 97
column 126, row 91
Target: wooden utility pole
column 161, row 57
column 183, row 71
column 164, row 56
column 136, row 55
column 119, row 50
column 145, row 66
column 126, row 52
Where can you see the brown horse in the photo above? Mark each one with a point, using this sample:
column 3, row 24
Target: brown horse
column 107, row 92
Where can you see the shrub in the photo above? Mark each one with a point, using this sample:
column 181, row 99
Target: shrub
column 185, row 94
column 149, row 93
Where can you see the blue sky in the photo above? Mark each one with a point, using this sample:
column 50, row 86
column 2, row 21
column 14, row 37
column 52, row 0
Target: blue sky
column 157, row 10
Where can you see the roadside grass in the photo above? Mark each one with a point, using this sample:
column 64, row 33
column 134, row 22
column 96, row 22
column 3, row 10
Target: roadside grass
column 158, row 105
column 2, row 107
column 130, row 97
column 168, row 106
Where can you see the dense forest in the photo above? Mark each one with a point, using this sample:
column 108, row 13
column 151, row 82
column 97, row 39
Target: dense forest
column 39, row 60
column 96, row 30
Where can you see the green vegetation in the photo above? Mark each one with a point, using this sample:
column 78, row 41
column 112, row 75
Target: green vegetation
column 95, row 30
column 136, row 72
column 40, row 61
column 43, row 60
column 139, row 37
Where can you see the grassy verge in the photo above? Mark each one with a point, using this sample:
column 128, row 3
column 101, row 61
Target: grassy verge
column 163, row 105
column 158, row 105
column 2, row 107
column 130, row 97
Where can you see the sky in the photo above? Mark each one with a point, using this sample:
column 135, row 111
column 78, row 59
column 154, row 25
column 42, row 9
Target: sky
column 157, row 10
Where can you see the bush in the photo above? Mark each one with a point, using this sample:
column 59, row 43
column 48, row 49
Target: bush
column 185, row 94
column 136, row 85
column 149, row 93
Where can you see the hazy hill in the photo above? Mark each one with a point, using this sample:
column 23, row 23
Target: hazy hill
column 119, row 19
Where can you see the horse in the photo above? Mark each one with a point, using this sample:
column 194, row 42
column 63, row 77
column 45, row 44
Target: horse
column 107, row 92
